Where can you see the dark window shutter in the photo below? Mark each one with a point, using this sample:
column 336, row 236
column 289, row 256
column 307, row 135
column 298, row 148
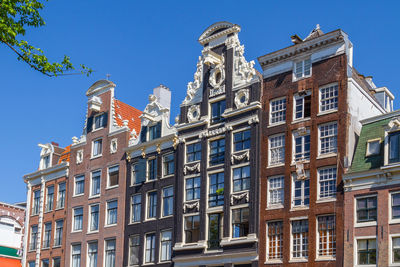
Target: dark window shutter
column 105, row 119
column 141, row 171
column 143, row 134
column 158, row 130
column 89, row 124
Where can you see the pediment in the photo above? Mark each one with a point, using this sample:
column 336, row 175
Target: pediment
column 99, row 86
column 218, row 30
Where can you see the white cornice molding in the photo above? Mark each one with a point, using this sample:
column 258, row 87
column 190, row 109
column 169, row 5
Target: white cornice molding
column 155, row 142
column 385, row 116
column 47, row 171
column 207, row 36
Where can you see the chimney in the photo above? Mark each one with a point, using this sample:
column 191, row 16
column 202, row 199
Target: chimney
column 163, row 95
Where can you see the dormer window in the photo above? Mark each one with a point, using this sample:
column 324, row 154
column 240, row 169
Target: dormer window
column 302, row 69
column 373, row 147
column 217, row 109
column 150, row 132
column 394, row 151
column 46, row 162
column 97, row 121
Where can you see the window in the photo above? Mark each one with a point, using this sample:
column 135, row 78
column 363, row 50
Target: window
column 277, row 149
column 100, row 121
column 61, row 196
column 45, row 263
column 302, row 68
column 139, row 172
column 277, row 111
column 216, row 190
column 31, row 264
column 217, row 109
column 241, row 140
column 301, row 192
column 113, row 174
column 59, row 233
column 168, row 201
column 193, row 152
column 78, row 219
column 168, row 163
column 50, row 198
column 192, row 188
column 79, row 185
column 152, row 169
column 275, row 240
column 47, row 235
column 214, row 230
column 300, row 239
column 396, row 249
column 217, row 151
column 112, row 207
column 94, row 218
column 155, row 131
column 328, row 98
column 327, row 236
column 166, row 245
column 92, row 254
column 136, row 208
column 394, row 145
column 366, row 251
column 366, row 209
column 134, row 249
column 327, row 182
column 97, row 147
column 36, row 202
column 302, row 105
column 95, row 188
column 152, row 205
column 301, row 147
column 396, row 206
column 150, row 248
column 275, row 190
column 45, row 162
column 373, row 147
column 56, row 262
column 192, row 229
column 328, row 138
column 240, row 222
column 34, row 236
column 241, row 178
column 110, row 253
column 76, row 255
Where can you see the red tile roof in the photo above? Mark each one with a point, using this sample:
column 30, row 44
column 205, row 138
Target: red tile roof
column 125, row 112
column 65, row 156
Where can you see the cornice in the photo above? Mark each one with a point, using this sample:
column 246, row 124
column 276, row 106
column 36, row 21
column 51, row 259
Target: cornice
column 381, row 117
column 154, row 142
column 47, row 171
column 234, row 28
column 185, row 126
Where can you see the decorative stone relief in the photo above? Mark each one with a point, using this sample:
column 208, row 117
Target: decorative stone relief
column 254, row 119
column 192, row 87
column 217, row 74
column 191, row 168
column 190, row 206
column 240, row 157
column 79, row 156
column 113, row 145
column 240, row 197
column 193, row 113
column 215, row 131
column 242, row 98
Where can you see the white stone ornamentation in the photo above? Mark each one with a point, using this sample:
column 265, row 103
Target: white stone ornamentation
column 240, row 197
column 239, row 157
column 195, row 167
column 113, row 145
column 193, row 87
column 193, row 113
column 187, row 206
column 79, row 156
column 242, row 98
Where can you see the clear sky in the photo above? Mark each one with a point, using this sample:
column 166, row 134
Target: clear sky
column 145, row 43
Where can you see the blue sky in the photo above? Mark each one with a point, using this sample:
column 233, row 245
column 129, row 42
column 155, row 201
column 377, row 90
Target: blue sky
column 145, row 43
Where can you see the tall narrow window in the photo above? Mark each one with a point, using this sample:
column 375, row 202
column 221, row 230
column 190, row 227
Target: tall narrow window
column 301, row 192
column 301, row 147
column 36, row 202
column 275, row 190
column 327, row 182
column 216, row 190
column 241, row 178
column 61, row 196
column 168, row 201
column 302, row 104
column 300, row 239
column 366, row 209
column 139, row 172
column 57, row 262
column 150, row 248
column 277, row 111
column 217, row 151
column 112, row 208
column 396, row 206
column 34, row 237
column 76, row 255
column 241, row 140
column 46, row 162
column 155, row 131
column 78, row 219
column 193, row 152
column 396, row 249
column 366, row 251
column 328, row 98
column 166, row 245
column 394, row 147
column 275, row 240
column 45, row 263
column 152, row 205
column 134, row 249
column 302, row 68
column 96, row 176
column 110, row 253
column 240, row 222
column 92, row 254
column 136, row 208
column 152, row 169
column 47, row 235
column 214, row 230
column 192, row 229
column 168, row 163
column 192, row 188
column 328, row 138
column 113, row 175
column 217, row 109
column 97, row 147
column 94, row 218
column 79, row 185
column 50, row 198
column 327, row 236
column 59, row 233
column 277, row 149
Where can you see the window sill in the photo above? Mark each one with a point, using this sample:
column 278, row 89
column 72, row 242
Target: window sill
column 150, row 181
column 270, row 125
column 251, row 238
column 60, row 208
column 164, row 262
column 322, row 113
column 325, row 258
column 297, row 208
column 96, row 157
column 300, row 120
column 325, row 200
column 80, row 195
column 134, row 223
column 110, row 225
column 92, row 232
column 58, row 246
column 150, row 219
column 298, row 260
column 165, row 177
column 76, row 231
column 48, row 211
column 148, row 264
column 112, row 187
column 189, row 246
column 216, row 165
column 274, row 207
column 328, row 155
column 275, row 165
column 36, row 214
column 166, row 217
column 93, row 197
column 273, row 262
column 365, row 224
column 45, row 248
column 294, row 79
column 97, row 129
column 394, row 221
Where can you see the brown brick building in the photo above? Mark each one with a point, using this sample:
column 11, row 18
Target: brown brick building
column 312, row 101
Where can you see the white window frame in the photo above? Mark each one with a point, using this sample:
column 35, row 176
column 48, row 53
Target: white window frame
column 105, row 249
column 91, row 183
column 55, row 233
column 184, row 193
column 282, row 161
column 93, row 147
column 73, row 219
column 329, row 198
column 318, row 239
column 129, row 250
column 131, row 208
column 90, row 218
column 211, row 102
column 87, row 251
column 267, row 259
column 148, row 169
column 163, row 174
column 330, row 153
column 295, row 98
column 294, row 179
column 299, row 259
column 161, row 248
column 391, row 262
column 320, row 98
column 162, row 201
column 369, row 142
column 297, row 134
column 366, row 223
column 303, row 64
column 183, row 227
column 94, row 128
column 79, row 176
column 271, row 104
column 391, row 220
column 108, row 176
column 145, row 247
column 355, row 252
column 106, row 217
column 282, row 203
column 80, row 253
column 238, row 207
column 147, row 218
